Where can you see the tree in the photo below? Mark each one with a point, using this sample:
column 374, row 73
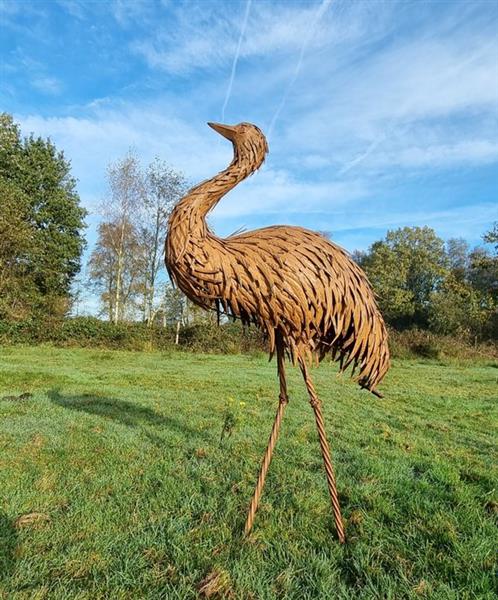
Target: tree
column 405, row 269
column 489, row 262
column 458, row 308
column 114, row 268
column 174, row 308
column 359, row 256
column 57, row 216
column 127, row 261
column 464, row 302
column 491, row 237
column 11, row 150
column 457, row 251
column 36, row 176
column 119, row 233
column 18, row 293
column 163, row 187
column 483, row 275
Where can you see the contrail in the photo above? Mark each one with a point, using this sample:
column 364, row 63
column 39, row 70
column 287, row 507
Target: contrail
column 236, row 59
column 380, row 139
column 377, row 142
column 318, row 15
column 391, row 126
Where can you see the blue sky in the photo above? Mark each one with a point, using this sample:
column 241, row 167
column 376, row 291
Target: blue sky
column 379, row 113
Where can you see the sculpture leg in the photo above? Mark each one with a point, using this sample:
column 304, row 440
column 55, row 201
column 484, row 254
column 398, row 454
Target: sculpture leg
column 329, row 469
column 283, row 400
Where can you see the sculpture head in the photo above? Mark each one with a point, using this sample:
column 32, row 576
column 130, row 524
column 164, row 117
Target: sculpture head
column 249, row 143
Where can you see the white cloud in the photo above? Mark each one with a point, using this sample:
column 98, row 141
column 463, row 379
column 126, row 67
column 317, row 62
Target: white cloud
column 76, row 8
column 366, row 96
column 46, row 84
column 92, row 141
column 9, row 7
column 236, row 59
column 417, row 94
column 466, row 152
column 448, row 221
column 357, row 231
column 130, row 13
column 272, row 191
column 206, row 36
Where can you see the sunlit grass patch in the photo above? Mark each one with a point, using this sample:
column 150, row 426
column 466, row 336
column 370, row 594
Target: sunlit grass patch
column 128, row 475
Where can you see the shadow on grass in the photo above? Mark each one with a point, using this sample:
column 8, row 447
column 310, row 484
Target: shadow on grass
column 8, row 542
column 132, row 415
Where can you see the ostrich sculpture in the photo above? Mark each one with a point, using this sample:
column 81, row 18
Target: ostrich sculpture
column 299, row 288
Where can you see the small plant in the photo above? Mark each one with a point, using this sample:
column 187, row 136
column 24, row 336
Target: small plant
column 233, row 415
column 229, row 423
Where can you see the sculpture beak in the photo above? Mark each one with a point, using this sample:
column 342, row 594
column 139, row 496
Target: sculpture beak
column 227, row 131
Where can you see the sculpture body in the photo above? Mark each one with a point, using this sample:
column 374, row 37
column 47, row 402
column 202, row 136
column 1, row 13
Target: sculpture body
column 301, row 289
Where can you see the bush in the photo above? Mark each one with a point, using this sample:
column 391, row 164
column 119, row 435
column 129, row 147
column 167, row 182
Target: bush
column 227, row 338
column 92, row 332
column 412, row 343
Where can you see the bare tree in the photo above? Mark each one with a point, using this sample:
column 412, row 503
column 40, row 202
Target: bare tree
column 127, row 193
column 127, row 261
column 163, row 186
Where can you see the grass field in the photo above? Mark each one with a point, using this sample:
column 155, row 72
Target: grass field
column 114, row 482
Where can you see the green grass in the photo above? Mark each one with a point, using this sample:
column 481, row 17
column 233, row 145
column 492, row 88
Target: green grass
column 120, row 454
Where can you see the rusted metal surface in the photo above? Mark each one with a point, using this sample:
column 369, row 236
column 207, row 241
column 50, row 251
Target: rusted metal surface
column 283, row 400
column 301, row 289
column 324, row 446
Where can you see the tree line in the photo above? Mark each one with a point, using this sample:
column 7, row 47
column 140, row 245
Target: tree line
column 423, row 282
column 420, row 280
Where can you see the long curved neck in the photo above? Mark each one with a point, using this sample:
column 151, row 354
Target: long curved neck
column 204, row 197
column 190, row 245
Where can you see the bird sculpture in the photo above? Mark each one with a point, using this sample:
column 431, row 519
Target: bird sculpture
column 303, row 291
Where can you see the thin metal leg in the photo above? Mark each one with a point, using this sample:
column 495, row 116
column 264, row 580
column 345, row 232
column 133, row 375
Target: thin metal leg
column 283, row 400
column 327, row 460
